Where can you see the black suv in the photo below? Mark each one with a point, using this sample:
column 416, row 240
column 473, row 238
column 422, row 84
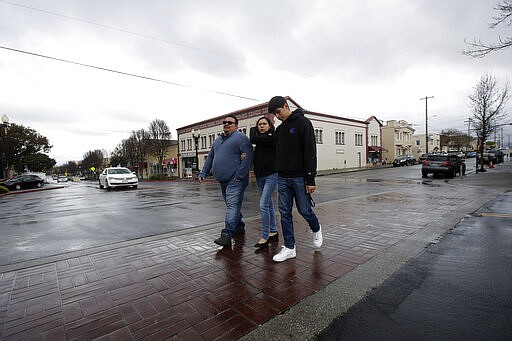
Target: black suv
column 404, row 160
column 442, row 164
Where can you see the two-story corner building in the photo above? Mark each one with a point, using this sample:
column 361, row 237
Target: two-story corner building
column 434, row 144
column 169, row 165
column 341, row 142
column 397, row 139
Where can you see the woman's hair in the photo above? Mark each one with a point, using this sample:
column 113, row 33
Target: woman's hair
column 268, row 121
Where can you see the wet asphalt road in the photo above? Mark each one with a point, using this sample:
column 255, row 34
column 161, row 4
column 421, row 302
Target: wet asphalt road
column 457, row 289
column 81, row 216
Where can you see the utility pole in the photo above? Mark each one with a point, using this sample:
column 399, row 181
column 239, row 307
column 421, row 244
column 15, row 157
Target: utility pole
column 469, row 121
column 426, row 121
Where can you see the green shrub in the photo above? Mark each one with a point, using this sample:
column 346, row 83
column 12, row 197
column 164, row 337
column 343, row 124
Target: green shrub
column 3, row 189
column 158, row 177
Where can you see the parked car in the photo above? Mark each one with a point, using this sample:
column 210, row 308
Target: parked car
column 117, row 177
column 422, row 157
column 458, row 153
column 442, row 164
column 471, row 154
column 24, row 181
column 404, row 160
column 62, row 178
column 490, row 156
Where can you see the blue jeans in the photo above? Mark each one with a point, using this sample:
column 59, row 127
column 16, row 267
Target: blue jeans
column 233, row 194
column 267, row 185
column 289, row 189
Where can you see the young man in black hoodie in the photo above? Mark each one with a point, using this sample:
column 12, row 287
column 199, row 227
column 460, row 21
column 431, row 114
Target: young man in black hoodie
column 296, row 166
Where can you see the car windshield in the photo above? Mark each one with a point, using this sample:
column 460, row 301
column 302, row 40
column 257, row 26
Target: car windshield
column 119, row 171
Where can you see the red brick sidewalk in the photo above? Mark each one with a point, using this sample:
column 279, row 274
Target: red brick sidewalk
column 186, row 288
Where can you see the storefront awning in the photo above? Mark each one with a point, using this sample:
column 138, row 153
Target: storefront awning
column 374, row 149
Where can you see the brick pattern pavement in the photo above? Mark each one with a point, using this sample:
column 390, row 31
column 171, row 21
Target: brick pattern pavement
column 186, row 288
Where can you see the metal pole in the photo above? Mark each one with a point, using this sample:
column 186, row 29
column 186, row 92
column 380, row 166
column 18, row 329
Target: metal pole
column 426, row 121
column 469, row 132
column 197, row 157
column 1, row 154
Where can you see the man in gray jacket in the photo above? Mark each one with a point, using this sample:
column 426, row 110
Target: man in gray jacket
column 230, row 160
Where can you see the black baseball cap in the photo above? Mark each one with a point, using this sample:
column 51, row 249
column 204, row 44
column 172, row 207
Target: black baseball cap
column 276, row 102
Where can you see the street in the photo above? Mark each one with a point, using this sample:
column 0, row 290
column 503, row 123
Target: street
column 81, row 216
column 180, row 284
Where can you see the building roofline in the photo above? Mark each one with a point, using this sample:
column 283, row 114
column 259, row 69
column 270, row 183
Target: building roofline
column 238, row 112
column 335, row 117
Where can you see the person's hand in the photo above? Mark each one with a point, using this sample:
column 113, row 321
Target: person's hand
column 310, row 189
column 201, row 179
column 243, row 156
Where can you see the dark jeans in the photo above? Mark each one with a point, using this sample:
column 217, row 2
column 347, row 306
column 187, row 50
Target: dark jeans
column 233, row 194
column 289, row 189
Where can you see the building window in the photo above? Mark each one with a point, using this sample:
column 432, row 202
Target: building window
column 189, row 144
column 340, row 137
column 212, row 139
column 359, row 139
column 243, row 130
column 182, row 144
column 203, row 142
column 318, row 136
column 374, row 140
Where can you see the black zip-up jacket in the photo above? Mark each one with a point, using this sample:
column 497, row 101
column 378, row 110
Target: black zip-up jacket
column 296, row 148
column 264, row 152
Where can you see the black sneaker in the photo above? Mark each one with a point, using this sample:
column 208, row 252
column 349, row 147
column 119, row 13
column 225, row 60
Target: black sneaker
column 223, row 240
column 238, row 233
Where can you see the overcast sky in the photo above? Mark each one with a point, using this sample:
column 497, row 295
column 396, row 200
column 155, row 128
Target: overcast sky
column 347, row 58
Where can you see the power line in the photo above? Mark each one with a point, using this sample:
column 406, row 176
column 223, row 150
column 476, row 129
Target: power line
column 121, row 30
column 181, row 45
column 124, row 73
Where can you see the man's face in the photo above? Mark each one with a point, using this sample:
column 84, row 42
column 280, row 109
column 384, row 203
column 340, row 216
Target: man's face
column 282, row 113
column 229, row 125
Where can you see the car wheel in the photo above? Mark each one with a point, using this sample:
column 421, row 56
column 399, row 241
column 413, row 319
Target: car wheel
column 99, row 182
column 38, row 185
column 18, row 187
column 135, row 186
column 424, row 174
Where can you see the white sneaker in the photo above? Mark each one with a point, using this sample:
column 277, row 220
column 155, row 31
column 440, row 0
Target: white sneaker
column 284, row 254
column 317, row 238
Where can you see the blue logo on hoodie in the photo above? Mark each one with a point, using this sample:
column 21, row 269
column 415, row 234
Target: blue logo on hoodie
column 292, row 131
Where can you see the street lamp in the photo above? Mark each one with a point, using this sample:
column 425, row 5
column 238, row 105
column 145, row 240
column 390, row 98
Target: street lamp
column 195, row 135
column 5, row 124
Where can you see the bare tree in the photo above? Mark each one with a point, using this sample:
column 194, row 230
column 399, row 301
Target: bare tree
column 477, row 48
column 138, row 147
column 160, row 139
column 488, row 105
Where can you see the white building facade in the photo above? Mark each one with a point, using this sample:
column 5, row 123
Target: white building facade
column 341, row 142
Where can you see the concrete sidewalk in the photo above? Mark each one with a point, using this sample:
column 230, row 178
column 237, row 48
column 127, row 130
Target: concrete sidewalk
column 182, row 286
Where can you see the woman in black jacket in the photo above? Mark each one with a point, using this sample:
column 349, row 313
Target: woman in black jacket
column 266, row 177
